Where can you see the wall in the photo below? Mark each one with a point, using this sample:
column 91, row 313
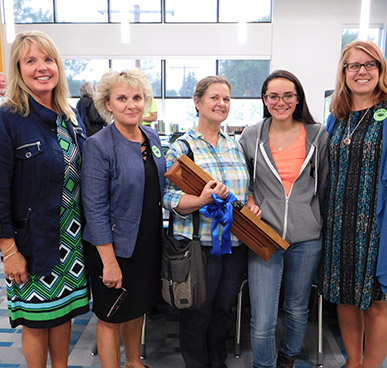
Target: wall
column 305, row 38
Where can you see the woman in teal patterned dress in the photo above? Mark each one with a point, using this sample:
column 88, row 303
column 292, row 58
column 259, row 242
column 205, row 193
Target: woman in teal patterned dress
column 40, row 213
column 354, row 266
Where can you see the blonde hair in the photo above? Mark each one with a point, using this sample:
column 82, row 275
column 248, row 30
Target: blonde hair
column 18, row 91
column 341, row 105
column 130, row 77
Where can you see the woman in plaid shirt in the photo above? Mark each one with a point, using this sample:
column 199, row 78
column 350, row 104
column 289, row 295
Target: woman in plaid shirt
column 203, row 332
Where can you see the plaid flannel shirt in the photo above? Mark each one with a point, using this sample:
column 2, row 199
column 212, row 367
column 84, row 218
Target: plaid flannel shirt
column 226, row 163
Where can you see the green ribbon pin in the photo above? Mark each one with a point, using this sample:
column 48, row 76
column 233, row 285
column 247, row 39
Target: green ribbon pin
column 380, row 114
column 74, row 121
column 156, row 151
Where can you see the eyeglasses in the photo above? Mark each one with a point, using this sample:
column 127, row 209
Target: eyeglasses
column 113, row 310
column 355, row 67
column 116, row 305
column 287, row 98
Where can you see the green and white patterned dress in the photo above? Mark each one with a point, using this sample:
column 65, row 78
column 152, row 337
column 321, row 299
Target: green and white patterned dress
column 49, row 301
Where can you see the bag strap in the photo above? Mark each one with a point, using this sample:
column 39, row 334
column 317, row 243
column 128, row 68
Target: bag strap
column 190, row 154
column 195, row 215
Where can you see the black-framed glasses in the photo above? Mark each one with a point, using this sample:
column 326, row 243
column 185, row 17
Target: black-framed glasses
column 287, row 98
column 113, row 310
column 355, row 67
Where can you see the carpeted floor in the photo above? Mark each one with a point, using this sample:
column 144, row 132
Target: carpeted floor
column 162, row 345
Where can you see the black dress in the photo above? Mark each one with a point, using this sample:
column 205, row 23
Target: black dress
column 141, row 272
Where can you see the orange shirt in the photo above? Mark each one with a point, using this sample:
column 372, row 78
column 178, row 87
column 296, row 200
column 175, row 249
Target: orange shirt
column 290, row 160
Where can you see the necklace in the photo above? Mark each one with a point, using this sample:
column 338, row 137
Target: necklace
column 347, row 139
column 280, row 147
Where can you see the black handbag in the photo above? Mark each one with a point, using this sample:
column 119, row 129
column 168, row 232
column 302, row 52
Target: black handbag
column 183, row 266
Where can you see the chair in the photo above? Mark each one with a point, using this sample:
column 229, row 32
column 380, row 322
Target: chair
column 237, row 353
column 238, row 321
column 94, row 350
column 143, row 346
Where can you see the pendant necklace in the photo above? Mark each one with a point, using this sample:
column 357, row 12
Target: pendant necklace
column 347, row 139
column 280, row 147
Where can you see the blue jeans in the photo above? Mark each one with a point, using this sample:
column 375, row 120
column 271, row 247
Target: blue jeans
column 204, row 332
column 295, row 270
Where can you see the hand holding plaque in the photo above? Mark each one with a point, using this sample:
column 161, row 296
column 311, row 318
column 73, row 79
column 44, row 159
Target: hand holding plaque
column 251, row 230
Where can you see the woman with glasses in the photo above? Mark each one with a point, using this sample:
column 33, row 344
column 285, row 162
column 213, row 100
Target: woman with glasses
column 354, row 270
column 286, row 154
column 123, row 176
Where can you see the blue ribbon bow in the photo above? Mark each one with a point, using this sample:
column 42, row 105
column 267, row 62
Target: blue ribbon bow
column 221, row 211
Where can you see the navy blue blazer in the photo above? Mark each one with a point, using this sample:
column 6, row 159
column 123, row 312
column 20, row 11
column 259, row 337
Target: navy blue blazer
column 31, row 182
column 113, row 180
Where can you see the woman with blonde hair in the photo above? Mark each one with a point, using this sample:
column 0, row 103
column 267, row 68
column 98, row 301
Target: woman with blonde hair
column 354, row 267
column 122, row 184
column 40, row 214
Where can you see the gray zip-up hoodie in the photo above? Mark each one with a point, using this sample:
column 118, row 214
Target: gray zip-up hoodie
column 296, row 217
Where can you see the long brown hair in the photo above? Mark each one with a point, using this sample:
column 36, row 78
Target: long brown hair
column 301, row 113
column 341, row 105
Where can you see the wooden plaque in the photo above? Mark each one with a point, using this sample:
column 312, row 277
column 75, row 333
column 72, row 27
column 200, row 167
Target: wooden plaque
column 251, row 230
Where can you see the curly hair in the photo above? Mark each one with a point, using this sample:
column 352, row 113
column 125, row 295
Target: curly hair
column 130, row 77
column 341, row 105
column 18, row 91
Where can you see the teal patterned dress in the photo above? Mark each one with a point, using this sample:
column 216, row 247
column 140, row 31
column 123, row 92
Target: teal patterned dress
column 351, row 241
column 49, row 301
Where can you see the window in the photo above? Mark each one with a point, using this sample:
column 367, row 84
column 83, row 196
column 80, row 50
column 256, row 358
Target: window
column 182, row 75
column 244, row 112
column 152, row 68
column 141, row 11
column 244, row 10
column 179, row 115
column 85, row 11
column 245, row 76
column 79, row 71
column 352, row 33
column 190, row 11
column 33, row 11
column 177, row 108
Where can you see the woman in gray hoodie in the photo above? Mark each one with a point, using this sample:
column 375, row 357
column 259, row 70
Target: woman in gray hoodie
column 287, row 157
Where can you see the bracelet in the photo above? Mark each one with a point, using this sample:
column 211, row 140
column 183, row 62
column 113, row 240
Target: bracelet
column 9, row 255
column 13, row 244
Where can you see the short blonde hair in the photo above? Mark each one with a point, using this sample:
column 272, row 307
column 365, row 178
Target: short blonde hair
column 18, row 91
column 130, row 77
column 341, row 105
